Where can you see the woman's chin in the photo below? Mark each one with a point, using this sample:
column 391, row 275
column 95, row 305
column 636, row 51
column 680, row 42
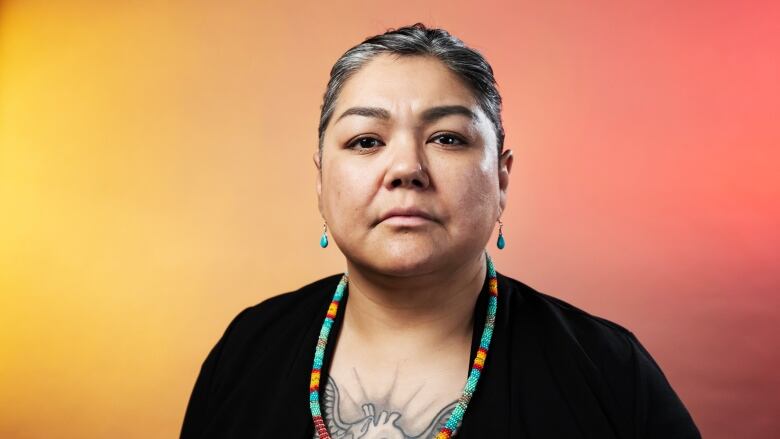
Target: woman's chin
column 404, row 257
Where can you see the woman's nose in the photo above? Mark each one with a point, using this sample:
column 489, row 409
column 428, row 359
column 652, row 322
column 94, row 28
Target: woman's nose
column 407, row 168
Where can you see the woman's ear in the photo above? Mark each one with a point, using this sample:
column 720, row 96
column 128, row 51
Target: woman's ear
column 316, row 157
column 504, row 169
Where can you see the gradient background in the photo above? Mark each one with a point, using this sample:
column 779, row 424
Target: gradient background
column 156, row 178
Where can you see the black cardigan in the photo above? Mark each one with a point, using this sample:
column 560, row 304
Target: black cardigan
column 553, row 371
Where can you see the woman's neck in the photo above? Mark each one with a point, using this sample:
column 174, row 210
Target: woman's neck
column 425, row 310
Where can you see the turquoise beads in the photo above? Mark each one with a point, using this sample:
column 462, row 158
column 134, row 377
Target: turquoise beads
column 456, row 417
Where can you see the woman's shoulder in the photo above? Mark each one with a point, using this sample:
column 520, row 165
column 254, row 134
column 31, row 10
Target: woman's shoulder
column 620, row 371
column 287, row 308
column 559, row 320
column 275, row 323
column 569, row 313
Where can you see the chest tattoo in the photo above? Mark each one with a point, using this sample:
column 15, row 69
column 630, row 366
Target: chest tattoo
column 378, row 419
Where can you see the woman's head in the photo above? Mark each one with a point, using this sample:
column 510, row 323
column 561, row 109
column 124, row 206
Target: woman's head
column 417, row 40
column 411, row 125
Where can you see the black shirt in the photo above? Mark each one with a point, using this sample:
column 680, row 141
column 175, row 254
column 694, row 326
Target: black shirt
column 552, row 371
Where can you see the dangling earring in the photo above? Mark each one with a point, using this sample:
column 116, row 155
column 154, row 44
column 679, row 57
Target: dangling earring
column 324, row 237
column 500, row 243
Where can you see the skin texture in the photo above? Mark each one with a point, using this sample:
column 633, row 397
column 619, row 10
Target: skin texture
column 412, row 286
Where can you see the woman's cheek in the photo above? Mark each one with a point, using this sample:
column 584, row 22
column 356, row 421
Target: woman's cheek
column 477, row 185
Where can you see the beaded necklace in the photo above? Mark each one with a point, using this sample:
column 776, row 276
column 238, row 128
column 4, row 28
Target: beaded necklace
column 455, row 418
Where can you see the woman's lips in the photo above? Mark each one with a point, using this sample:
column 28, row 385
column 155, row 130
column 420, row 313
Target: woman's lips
column 406, row 220
column 408, row 216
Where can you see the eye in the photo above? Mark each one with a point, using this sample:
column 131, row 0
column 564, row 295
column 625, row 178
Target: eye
column 364, row 143
column 449, row 139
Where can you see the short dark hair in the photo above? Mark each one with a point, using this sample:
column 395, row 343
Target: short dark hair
column 412, row 40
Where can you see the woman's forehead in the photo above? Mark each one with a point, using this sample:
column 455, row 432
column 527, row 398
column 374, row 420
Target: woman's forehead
column 405, row 83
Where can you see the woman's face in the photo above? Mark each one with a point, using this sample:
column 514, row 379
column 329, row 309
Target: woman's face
column 408, row 136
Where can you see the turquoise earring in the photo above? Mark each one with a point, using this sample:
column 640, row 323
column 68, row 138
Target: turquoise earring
column 324, row 237
column 500, row 243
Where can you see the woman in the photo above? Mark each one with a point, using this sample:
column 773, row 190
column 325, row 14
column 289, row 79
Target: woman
column 421, row 337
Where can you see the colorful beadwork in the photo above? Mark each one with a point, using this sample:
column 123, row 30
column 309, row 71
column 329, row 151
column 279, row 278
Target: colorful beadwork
column 455, row 418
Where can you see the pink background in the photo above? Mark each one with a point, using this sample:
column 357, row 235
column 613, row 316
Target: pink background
column 156, row 178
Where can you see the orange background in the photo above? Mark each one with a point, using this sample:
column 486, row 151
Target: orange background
column 156, row 179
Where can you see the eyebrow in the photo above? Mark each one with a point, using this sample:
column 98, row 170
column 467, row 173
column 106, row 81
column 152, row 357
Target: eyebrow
column 436, row 113
column 430, row 115
column 375, row 112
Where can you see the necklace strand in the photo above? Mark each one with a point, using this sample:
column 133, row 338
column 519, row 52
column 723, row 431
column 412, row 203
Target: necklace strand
column 453, row 422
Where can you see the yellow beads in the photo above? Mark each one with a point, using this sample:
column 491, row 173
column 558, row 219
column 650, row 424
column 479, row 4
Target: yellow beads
column 315, row 380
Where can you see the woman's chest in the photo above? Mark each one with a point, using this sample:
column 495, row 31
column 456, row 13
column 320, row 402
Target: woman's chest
column 382, row 397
